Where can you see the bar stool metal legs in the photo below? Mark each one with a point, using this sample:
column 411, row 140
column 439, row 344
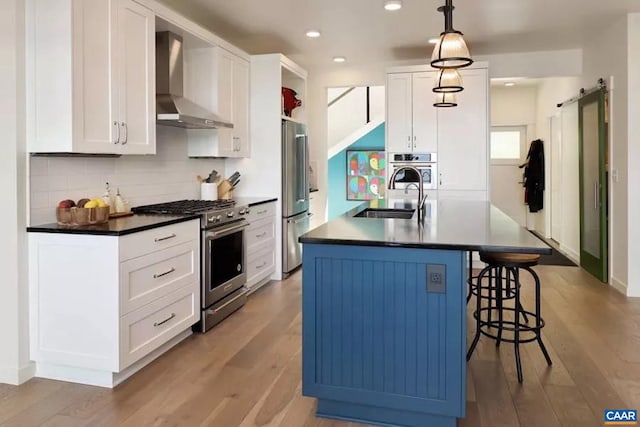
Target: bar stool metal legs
column 503, row 285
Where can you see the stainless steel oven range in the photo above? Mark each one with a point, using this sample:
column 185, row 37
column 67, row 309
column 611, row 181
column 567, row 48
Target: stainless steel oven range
column 223, row 271
column 426, row 163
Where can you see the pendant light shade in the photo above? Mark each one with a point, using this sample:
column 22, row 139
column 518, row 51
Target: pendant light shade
column 445, row 100
column 448, row 81
column 451, row 50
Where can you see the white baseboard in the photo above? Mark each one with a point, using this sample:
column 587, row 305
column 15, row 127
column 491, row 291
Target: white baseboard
column 619, row 286
column 570, row 253
column 104, row 378
column 17, row 376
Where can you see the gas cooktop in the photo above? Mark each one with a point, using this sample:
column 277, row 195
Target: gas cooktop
column 212, row 212
column 185, row 207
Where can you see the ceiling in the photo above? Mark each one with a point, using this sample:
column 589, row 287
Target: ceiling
column 363, row 32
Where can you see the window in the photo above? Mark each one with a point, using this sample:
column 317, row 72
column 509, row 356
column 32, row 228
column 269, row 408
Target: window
column 508, row 144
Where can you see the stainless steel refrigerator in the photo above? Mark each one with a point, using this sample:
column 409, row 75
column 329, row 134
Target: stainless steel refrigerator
column 295, row 192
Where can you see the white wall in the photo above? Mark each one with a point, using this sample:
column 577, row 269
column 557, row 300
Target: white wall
column 318, row 82
column 169, row 175
column 534, row 64
column 346, row 114
column 513, row 106
column 349, row 113
column 633, row 155
column 605, row 55
column 15, row 367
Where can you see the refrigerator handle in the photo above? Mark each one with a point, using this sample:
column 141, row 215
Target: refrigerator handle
column 306, row 167
column 302, row 150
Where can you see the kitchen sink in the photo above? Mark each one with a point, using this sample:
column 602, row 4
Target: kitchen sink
column 385, row 213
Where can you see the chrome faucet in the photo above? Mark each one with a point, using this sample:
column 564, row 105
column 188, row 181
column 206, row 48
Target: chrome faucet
column 409, row 185
column 421, row 196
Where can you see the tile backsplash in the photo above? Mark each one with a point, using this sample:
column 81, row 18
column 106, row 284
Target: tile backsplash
column 169, row 175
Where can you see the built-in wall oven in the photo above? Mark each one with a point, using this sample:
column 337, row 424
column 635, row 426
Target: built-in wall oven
column 425, row 163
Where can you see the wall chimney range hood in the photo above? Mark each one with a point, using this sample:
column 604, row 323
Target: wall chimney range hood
column 172, row 108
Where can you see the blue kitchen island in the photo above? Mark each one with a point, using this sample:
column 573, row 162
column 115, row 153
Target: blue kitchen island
column 384, row 328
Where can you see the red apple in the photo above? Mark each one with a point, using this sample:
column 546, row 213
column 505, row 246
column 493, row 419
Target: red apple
column 68, row 203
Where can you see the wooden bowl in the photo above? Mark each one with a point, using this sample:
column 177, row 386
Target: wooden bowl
column 82, row 216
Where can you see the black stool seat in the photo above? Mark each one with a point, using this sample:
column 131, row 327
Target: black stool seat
column 502, row 284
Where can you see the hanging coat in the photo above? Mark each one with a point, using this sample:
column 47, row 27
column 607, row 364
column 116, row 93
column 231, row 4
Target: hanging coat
column 534, row 176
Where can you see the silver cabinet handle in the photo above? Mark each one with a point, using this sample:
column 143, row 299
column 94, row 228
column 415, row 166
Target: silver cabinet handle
column 595, row 195
column 409, row 141
column 171, row 270
column 117, row 133
column 258, row 267
column 160, row 239
column 165, row 320
column 264, row 233
column 440, row 178
column 262, row 212
column 125, row 132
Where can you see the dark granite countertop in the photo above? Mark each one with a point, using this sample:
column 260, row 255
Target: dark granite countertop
column 115, row 227
column 254, row 201
column 448, row 224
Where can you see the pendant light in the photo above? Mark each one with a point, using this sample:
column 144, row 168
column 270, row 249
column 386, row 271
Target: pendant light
column 448, row 80
column 445, row 99
column 451, row 50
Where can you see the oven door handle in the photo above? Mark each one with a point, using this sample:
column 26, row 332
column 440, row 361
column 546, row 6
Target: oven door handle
column 228, row 230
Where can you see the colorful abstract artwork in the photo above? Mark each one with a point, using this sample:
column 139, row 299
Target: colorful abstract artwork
column 365, row 174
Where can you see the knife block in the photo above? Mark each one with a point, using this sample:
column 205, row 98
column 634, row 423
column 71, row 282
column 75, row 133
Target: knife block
column 225, row 190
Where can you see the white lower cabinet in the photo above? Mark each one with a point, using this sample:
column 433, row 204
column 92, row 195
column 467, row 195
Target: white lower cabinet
column 260, row 238
column 102, row 307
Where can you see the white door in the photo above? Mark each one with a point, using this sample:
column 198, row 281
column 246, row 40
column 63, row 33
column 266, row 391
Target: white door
column 398, row 125
column 556, row 177
column 95, row 91
column 462, row 136
column 508, row 151
column 425, row 118
column 137, row 89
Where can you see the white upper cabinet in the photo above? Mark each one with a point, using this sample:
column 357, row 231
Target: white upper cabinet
column 91, row 77
column 219, row 81
column 459, row 135
column 463, row 136
column 136, row 83
column 425, row 120
column 411, row 123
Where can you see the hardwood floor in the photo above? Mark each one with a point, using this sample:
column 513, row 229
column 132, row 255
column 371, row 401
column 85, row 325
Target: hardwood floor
column 246, row 372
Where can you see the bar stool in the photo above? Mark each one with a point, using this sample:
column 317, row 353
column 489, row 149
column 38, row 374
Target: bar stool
column 503, row 284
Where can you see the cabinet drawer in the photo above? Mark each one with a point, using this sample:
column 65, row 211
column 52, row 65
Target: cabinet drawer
column 261, row 265
column 147, row 328
column 152, row 276
column 144, row 242
column 261, row 211
column 260, row 231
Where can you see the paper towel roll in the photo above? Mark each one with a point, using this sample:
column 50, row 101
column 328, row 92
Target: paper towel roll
column 208, row 191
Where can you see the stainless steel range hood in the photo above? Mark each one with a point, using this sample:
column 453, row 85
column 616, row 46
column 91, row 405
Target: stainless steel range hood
column 171, row 106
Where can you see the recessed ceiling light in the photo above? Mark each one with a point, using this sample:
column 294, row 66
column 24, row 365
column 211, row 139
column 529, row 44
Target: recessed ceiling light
column 434, row 40
column 393, row 4
column 339, row 59
column 509, row 84
column 313, row 34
